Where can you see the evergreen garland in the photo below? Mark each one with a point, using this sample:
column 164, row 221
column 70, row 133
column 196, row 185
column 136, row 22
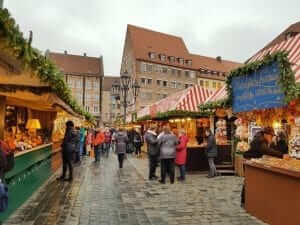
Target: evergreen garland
column 174, row 114
column 31, row 58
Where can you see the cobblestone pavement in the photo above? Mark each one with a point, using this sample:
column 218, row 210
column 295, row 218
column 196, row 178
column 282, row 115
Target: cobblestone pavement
column 102, row 194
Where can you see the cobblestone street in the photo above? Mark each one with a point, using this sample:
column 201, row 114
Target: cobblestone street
column 102, row 194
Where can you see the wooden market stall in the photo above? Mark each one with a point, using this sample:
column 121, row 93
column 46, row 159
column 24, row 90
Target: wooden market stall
column 265, row 93
column 32, row 95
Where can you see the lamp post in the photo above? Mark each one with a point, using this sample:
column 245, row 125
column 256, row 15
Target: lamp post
column 120, row 91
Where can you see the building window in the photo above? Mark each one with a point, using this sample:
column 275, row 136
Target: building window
column 158, row 82
column 165, row 83
column 162, row 57
column 87, row 108
column 201, row 83
column 88, row 84
column 207, row 84
column 178, row 85
column 165, row 69
column 149, row 81
column 186, row 85
column 165, row 95
column 78, row 84
column 149, row 67
column 113, row 106
column 192, row 74
column 173, row 71
column 143, row 81
column 187, row 73
column 173, row 84
column 178, row 73
column 188, row 62
column 118, row 106
column 181, row 61
column 158, row 69
column 143, row 67
column 172, row 59
column 219, row 84
column 214, row 84
column 96, row 109
column 152, row 55
column 70, row 82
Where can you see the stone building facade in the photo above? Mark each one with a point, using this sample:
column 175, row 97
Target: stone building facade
column 84, row 76
column 162, row 65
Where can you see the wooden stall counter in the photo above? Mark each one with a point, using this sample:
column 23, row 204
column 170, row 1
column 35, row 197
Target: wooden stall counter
column 197, row 160
column 272, row 194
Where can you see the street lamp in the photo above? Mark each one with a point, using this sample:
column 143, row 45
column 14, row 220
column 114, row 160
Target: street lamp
column 120, row 90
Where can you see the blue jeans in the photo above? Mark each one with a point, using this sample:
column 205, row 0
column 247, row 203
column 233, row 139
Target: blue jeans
column 81, row 145
column 182, row 171
column 97, row 152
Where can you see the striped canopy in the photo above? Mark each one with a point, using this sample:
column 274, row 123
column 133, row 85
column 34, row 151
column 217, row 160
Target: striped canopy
column 292, row 46
column 219, row 94
column 186, row 100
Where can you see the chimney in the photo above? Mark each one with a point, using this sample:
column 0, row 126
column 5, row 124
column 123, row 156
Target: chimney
column 84, row 54
column 66, row 53
column 219, row 58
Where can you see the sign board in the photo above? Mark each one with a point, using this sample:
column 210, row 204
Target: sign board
column 257, row 90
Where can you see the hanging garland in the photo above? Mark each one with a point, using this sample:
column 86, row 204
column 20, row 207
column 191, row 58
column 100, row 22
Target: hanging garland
column 174, row 114
column 209, row 106
column 286, row 75
column 15, row 88
column 144, row 118
column 21, row 49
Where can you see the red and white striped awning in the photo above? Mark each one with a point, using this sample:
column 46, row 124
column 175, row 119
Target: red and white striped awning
column 292, row 46
column 219, row 94
column 186, row 100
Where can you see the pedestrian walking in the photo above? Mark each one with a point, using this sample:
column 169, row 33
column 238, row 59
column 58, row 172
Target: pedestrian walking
column 98, row 142
column 107, row 141
column 211, row 152
column 152, row 150
column 138, row 142
column 82, row 140
column 181, row 154
column 130, row 145
column 77, row 148
column 121, row 140
column 68, row 147
column 167, row 146
column 89, row 141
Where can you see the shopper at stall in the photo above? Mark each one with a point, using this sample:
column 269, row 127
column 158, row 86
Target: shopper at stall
column 152, row 150
column 98, row 143
column 138, row 142
column 167, row 145
column 121, row 140
column 260, row 145
column 211, row 152
column 68, row 147
column 181, row 154
column 107, row 141
column 82, row 140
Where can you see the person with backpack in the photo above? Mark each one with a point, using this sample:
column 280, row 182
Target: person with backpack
column 121, row 140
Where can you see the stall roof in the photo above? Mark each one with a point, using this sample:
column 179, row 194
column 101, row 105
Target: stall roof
column 291, row 45
column 218, row 95
column 185, row 100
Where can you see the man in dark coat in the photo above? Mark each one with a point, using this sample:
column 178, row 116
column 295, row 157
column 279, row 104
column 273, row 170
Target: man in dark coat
column 68, row 147
column 260, row 145
column 153, row 151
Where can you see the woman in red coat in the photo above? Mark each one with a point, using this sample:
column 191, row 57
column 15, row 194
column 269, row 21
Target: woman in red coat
column 181, row 154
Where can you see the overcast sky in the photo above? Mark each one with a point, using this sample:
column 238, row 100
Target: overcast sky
column 233, row 29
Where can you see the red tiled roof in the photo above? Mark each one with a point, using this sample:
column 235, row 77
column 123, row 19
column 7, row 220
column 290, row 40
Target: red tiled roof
column 108, row 81
column 145, row 41
column 76, row 64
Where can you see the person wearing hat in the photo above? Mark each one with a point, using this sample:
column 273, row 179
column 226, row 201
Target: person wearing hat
column 260, row 145
column 68, row 148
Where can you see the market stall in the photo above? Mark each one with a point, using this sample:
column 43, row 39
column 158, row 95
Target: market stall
column 265, row 94
column 32, row 94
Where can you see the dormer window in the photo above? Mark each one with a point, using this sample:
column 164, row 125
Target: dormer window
column 188, row 62
column 162, row 57
column 181, row 61
column 151, row 55
column 172, row 59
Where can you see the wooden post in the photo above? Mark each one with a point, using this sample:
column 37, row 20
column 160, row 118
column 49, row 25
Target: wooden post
column 2, row 116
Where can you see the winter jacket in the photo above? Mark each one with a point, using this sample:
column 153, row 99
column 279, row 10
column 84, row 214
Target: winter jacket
column 99, row 139
column 167, row 146
column 89, row 138
column 137, row 140
column 70, row 140
column 82, row 135
column 181, row 150
column 152, row 143
column 107, row 137
column 121, row 140
column 211, row 148
column 259, row 147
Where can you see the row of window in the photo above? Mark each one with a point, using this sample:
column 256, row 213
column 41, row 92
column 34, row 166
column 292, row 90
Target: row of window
column 163, row 83
column 147, row 67
column 92, row 109
column 88, row 97
column 171, row 59
column 89, row 84
column 210, row 83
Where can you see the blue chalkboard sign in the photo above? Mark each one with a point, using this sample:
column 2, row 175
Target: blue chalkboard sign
column 257, row 90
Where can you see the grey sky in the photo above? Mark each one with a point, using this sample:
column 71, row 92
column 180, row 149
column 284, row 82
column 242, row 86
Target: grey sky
column 234, row 29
